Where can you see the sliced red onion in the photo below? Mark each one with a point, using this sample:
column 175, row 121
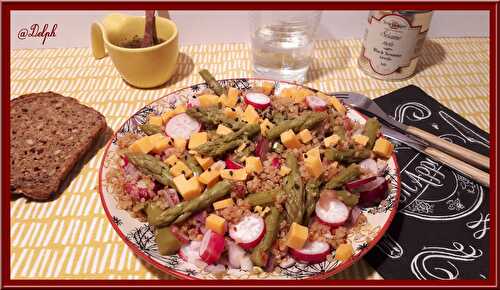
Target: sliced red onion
column 276, row 163
column 262, row 147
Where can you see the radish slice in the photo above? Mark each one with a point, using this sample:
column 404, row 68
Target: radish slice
column 182, row 126
column 354, row 185
column 257, row 100
column 369, row 166
column 211, row 247
column 381, row 167
column 316, row 103
column 248, row 232
column 190, row 251
column 230, row 164
column 312, row 252
column 334, row 212
column 372, row 193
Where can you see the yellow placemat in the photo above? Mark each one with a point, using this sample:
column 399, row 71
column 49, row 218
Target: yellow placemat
column 71, row 236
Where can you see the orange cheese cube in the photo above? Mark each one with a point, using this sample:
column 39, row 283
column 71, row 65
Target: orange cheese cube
column 297, row 236
column 204, row 162
column 142, row 145
column 197, row 139
column 180, row 144
column 360, row 139
column 230, row 113
column 267, row 87
column 171, row 160
column 209, row 176
column 234, row 174
column 299, row 95
column 189, row 189
column 312, row 162
column 155, row 120
column 180, row 168
column 253, row 164
column 208, row 100
column 383, row 148
column 265, row 126
column 180, row 109
column 344, row 252
column 166, row 116
column 160, row 142
column 331, row 140
column 305, row 136
column 284, row 170
column 250, row 115
column 286, row 93
column 337, row 105
column 223, row 130
column 231, row 98
column 289, row 139
column 216, row 223
column 223, row 203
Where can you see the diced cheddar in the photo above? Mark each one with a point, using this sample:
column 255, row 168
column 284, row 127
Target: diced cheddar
column 305, row 136
column 253, row 164
column 161, row 143
column 142, row 145
column 197, row 139
column 297, row 236
column 204, row 162
column 208, row 100
column 180, row 168
column 234, row 174
column 209, row 176
column 241, row 147
column 284, row 171
column 312, row 162
column 250, row 115
column 189, row 189
column 360, row 139
column 290, row 140
column 223, row 130
column 166, row 116
column 337, row 105
column 300, row 94
column 383, row 148
column 267, row 87
column 331, row 140
column 171, row 160
column 180, row 109
column 155, row 120
column 180, row 144
column 265, row 126
column 230, row 112
column 215, row 223
column 155, row 137
column 223, row 203
column 344, row 252
column 286, row 93
column 231, row 98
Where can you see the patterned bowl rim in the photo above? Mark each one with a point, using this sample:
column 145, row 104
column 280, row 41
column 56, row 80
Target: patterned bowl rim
column 173, row 272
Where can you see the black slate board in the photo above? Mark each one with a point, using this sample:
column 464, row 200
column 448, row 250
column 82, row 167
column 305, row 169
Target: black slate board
column 441, row 230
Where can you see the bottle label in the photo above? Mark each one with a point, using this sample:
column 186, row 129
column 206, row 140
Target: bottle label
column 390, row 43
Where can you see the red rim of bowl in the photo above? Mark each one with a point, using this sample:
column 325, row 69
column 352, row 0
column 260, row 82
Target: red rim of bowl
column 344, row 265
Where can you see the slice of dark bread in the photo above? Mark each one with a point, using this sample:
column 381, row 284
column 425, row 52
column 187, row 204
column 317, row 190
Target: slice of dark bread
column 49, row 134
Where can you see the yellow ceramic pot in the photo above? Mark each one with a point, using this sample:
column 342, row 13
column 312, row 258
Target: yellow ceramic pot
column 141, row 67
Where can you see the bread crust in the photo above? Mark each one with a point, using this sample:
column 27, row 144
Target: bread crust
column 49, row 134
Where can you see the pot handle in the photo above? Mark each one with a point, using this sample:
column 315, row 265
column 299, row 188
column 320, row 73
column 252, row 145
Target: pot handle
column 97, row 40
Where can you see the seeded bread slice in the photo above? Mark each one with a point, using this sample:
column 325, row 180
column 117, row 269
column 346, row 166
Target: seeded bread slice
column 49, row 134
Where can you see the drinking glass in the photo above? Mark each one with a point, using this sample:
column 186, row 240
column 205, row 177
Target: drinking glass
column 282, row 43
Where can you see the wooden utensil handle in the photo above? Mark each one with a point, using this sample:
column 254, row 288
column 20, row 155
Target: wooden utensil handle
column 467, row 169
column 452, row 149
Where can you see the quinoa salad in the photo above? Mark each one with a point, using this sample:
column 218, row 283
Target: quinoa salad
column 239, row 179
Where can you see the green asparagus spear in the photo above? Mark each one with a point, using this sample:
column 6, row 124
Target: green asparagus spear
column 312, row 196
column 260, row 254
column 294, row 189
column 348, row 198
column 153, row 210
column 346, row 175
column 193, row 165
column 181, row 211
column 262, row 197
column 339, row 130
column 212, row 117
column 150, row 129
column 220, row 146
column 149, row 165
column 349, row 155
column 372, row 127
column 305, row 121
column 212, row 82
column 167, row 243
